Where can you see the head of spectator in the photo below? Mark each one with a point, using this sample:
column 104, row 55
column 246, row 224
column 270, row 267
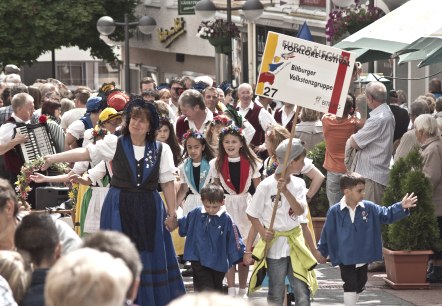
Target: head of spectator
column 402, row 97
column 51, row 108
column 309, row 115
column 431, row 102
column 350, row 106
column 10, row 69
column 275, row 134
column 164, row 95
column 87, row 277
column 435, row 87
column 12, row 78
column 176, row 89
column 208, row 298
column 221, row 95
column 66, row 105
column 35, row 92
column 9, row 208
column 80, row 98
column 18, row 88
column 147, row 83
column 425, row 127
column 23, row 106
column 245, row 95
column 192, row 104
column 17, row 272
column 376, row 94
column 439, row 105
column 417, row 108
column 38, row 237
column 6, row 95
column 188, row 82
column 393, row 97
column 211, row 99
column 47, row 89
column 150, row 95
column 119, row 246
column 361, row 106
column 162, row 108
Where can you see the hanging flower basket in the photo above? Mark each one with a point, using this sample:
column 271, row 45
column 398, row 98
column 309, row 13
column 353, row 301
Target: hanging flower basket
column 219, row 33
column 221, row 44
column 350, row 20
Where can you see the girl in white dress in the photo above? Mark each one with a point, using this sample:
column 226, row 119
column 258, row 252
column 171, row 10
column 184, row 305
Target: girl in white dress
column 235, row 169
column 194, row 171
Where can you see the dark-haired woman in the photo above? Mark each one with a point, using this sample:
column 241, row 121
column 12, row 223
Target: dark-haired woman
column 133, row 205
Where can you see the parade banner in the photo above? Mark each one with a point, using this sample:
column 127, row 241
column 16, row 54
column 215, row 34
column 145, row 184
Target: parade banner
column 305, row 73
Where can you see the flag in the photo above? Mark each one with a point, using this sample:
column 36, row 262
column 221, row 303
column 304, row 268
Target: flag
column 304, row 32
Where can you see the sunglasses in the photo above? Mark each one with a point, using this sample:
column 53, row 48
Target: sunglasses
column 178, row 90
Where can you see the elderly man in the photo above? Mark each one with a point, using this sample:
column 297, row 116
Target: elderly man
column 23, row 107
column 258, row 117
column 375, row 140
column 195, row 114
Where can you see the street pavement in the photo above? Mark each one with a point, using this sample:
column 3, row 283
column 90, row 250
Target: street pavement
column 330, row 291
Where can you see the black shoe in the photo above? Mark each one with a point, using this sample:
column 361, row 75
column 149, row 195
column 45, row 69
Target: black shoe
column 187, row 273
column 187, row 265
column 435, row 276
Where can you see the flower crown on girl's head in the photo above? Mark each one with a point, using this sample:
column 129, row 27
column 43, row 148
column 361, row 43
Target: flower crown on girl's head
column 221, row 120
column 232, row 129
column 194, row 134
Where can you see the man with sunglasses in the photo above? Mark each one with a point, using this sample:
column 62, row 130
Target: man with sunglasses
column 176, row 89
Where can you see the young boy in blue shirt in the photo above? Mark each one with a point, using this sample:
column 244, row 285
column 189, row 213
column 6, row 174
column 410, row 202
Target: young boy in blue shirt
column 213, row 242
column 351, row 236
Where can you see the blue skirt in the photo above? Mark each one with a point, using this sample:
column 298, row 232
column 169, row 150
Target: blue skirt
column 161, row 279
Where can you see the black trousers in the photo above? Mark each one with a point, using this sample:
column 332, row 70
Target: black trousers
column 206, row 279
column 354, row 278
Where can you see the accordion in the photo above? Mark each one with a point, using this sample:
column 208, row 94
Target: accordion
column 39, row 143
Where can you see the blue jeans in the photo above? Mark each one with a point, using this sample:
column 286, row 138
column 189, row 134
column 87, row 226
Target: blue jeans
column 277, row 270
column 333, row 188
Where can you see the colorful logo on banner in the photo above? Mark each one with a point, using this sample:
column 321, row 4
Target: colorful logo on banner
column 305, row 73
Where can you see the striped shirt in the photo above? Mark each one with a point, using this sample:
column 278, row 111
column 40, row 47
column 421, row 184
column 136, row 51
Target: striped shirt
column 376, row 142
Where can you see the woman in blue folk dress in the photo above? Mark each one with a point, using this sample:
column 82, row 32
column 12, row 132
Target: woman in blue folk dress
column 133, row 205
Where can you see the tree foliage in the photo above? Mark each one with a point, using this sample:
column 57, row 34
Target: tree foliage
column 419, row 231
column 32, row 27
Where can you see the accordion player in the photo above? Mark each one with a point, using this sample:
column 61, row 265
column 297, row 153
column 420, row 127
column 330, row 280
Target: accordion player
column 39, row 143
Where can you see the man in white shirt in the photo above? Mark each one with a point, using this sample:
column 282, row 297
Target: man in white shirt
column 23, row 107
column 80, row 100
column 258, row 117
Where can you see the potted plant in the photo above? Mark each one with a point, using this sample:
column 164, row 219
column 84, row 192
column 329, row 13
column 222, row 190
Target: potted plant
column 350, row 20
column 219, row 33
column 318, row 205
column 408, row 243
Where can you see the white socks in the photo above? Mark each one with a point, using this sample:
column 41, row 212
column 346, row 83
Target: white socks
column 231, row 291
column 350, row 298
column 242, row 292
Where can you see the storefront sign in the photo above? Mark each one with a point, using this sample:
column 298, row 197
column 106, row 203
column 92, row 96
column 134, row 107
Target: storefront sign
column 186, row 7
column 168, row 36
column 317, row 3
column 305, row 73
